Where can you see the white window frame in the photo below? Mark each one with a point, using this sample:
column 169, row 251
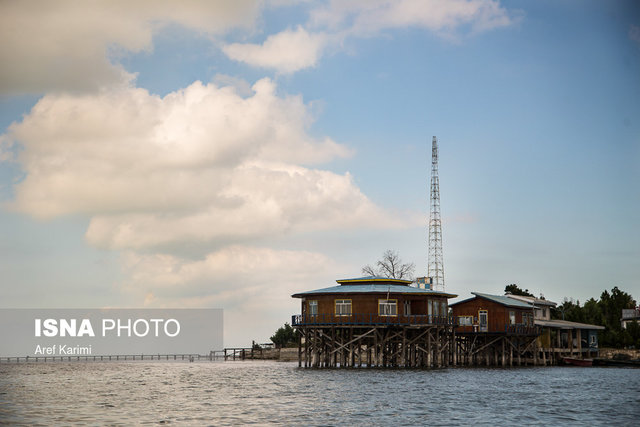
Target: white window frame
column 388, row 307
column 512, row 317
column 465, row 320
column 313, row 308
column 343, row 307
column 407, row 308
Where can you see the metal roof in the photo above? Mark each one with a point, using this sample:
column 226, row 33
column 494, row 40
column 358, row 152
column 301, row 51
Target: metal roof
column 535, row 301
column 565, row 324
column 374, row 279
column 375, row 289
column 500, row 299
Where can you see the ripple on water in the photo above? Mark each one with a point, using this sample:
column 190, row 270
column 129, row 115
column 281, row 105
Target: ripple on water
column 270, row 392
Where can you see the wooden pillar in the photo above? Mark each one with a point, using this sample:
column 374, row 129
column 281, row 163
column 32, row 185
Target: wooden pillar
column 487, row 354
column 455, row 347
column 429, row 351
column 299, row 349
column 438, row 358
column 404, row 347
column 352, row 353
column 570, row 335
column 375, row 347
column 510, row 354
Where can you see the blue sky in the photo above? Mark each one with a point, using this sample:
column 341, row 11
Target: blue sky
column 303, row 153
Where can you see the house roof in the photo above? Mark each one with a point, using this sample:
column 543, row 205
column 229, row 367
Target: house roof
column 535, row 301
column 500, row 299
column 374, row 279
column 374, row 288
column 565, row 324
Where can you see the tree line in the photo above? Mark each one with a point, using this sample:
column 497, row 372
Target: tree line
column 607, row 312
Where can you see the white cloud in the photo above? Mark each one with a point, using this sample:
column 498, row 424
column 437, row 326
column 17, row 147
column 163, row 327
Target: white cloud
column 444, row 17
column 64, row 45
column 252, row 284
column 287, row 51
column 200, row 165
column 329, row 25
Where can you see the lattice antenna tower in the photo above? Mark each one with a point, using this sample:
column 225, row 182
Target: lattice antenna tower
column 435, row 268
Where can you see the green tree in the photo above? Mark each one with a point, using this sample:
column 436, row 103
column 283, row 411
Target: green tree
column 633, row 328
column 513, row 289
column 592, row 312
column 568, row 310
column 604, row 312
column 612, row 306
column 285, row 336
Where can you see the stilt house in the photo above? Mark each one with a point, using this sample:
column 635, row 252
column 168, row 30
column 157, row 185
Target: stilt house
column 493, row 314
column 375, row 321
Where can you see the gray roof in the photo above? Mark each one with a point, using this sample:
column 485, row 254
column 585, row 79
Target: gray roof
column 375, row 289
column 500, row 299
column 565, row 324
column 536, row 301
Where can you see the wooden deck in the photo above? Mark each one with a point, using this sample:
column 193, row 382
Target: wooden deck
column 363, row 319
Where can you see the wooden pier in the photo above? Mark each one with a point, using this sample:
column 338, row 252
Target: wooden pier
column 233, row 353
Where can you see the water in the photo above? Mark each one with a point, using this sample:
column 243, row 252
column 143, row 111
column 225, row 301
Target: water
column 238, row 393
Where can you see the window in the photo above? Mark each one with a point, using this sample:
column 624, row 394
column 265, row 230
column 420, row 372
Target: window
column 527, row 319
column 429, row 308
column 594, row 340
column 387, row 307
column 544, row 313
column 512, row 317
column 436, row 307
column 465, row 320
column 443, row 308
column 407, row 308
column 313, row 308
column 343, row 307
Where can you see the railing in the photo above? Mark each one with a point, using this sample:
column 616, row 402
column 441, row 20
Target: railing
column 509, row 329
column 521, row 329
column 368, row 319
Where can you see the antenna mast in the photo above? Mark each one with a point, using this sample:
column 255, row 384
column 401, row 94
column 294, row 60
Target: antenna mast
column 435, row 269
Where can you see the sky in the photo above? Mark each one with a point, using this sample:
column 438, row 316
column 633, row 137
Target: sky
column 229, row 154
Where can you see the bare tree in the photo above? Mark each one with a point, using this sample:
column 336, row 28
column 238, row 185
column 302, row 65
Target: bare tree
column 390, row 266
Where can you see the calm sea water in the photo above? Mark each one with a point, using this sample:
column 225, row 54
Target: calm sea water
column 238, row 393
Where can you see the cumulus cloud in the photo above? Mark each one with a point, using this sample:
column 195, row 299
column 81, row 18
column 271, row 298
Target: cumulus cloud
column 287, row 51
column 65, row 45
column 250, row 283
column 202, row 164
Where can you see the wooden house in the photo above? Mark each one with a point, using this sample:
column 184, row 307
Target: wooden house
column 485, row 313
column 559, row 338
column 374, row 321
column 494, row 330
column 541, row 306
column 373, row 300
